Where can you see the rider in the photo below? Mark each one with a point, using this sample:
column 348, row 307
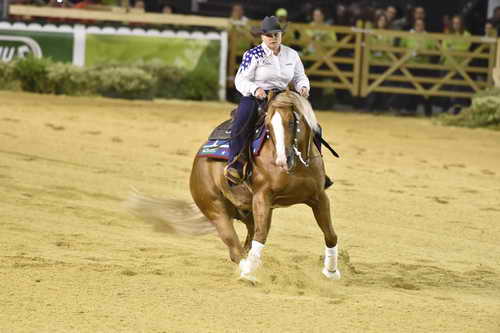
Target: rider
column 269, row 66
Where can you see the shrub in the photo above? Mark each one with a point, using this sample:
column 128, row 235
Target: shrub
column 142, row 80
column 33, row 74
column 124, row 82
column 67, row 79
column 484, row 112
column 167, row 78
column 7, row 77
column 199, row 85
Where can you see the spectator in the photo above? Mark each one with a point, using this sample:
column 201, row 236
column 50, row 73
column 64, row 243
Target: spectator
column 59, row 4
column 288, row 38
column 375, row 100
column 490, row 32
column 139, row 6
column 391, row 12
column 496, row 19
column 356, row 14
column 322, row 37
column 456, row 28
column 366, row 15
column 325, row 39
column 454, row 44
column 376, row 13
column 342, row 16
column 282, row 15
column 417, row 44
column 489, row 29
column 380, row 22
column 85, row 3
column 168, row 9
column 237, row 17
column 446, row 24
column 407, row 22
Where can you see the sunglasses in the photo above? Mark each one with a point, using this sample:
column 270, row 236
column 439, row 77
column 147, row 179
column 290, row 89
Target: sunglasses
column 273, row 34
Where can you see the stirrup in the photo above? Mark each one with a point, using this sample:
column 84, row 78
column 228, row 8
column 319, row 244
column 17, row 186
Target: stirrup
column 233, row 175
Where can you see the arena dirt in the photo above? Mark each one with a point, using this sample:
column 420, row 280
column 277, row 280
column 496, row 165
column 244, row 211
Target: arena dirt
column 416, row 207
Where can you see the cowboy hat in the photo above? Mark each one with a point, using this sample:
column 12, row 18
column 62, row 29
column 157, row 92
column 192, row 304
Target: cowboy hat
column 269, row 25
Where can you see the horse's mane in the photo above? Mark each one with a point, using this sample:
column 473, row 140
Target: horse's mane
column 291, row 98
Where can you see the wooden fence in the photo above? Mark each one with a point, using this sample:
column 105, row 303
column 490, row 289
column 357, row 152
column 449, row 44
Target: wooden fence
column 363, row 61
column 433, row 69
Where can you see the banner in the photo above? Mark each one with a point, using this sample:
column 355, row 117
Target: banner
column 88, row 46
column 179, row 52
column 58, row 46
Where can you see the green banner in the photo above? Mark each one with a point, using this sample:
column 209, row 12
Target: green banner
column 17, row 43
column 180, row 52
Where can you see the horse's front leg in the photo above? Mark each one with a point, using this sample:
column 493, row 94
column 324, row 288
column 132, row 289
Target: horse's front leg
column 321, row 210
column 262, row 211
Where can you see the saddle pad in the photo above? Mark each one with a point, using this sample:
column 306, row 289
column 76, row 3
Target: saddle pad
column 219, row 148
column 222, row 132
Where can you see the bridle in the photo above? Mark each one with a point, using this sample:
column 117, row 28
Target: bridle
column 293, row 152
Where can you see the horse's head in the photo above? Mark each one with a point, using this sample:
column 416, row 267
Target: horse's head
column 292, row 122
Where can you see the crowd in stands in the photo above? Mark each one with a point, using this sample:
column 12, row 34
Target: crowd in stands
column 361, row 14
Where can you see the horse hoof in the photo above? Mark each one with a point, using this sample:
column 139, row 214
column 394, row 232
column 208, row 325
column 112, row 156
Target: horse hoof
column 247, row 269
column 248, row 278
column 331, row 275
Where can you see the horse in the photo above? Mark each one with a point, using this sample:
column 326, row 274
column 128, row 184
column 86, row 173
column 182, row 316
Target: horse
column 289, row 170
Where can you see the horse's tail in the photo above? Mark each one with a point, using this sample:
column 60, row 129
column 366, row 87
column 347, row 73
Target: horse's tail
column 169, row 215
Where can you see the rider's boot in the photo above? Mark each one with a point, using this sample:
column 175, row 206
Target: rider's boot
column 234, row 172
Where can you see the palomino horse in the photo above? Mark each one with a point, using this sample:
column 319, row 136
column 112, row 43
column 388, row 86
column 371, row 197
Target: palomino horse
column 289, row 170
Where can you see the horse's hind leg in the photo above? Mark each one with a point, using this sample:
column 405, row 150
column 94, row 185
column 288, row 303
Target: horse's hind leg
column 218, row 214
column 321, row 210
column 225, row 228
column 207, row 196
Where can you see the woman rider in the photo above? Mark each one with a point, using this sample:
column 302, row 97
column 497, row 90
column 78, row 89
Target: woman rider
column 269, row 66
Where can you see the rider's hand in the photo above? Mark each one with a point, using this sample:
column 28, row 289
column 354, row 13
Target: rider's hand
column 304, row 92
column 260, row 93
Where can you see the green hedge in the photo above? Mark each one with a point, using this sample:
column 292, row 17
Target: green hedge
column 143, row 80
column 483, row 112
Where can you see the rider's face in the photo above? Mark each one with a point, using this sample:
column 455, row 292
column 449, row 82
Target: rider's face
column 272, row 41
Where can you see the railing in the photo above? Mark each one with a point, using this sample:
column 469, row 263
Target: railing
column 412, row 70
column 118, row 16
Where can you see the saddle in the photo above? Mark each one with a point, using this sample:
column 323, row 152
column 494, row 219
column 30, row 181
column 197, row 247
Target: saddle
column 217, row 146
column 223, row 130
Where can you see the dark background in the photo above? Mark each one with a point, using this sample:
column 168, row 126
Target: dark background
column 473, row 10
